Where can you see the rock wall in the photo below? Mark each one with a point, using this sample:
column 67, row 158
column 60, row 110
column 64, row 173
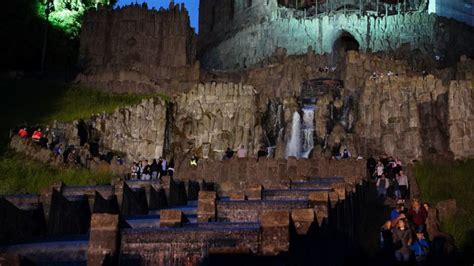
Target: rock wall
column 214, row 116
column 135, row 49
column 138, row 131
column 461, row 118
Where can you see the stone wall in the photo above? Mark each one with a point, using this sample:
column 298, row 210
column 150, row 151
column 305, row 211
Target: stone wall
column 214, row 116
column 243, row 174
column 241, row 43
column 136, row 49
column 138, row 131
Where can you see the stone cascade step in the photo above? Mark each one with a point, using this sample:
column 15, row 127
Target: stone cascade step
column 291, row 194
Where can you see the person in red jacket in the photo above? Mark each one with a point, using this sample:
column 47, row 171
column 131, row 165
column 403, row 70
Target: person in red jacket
column 23, row 133
column 37, row 135
column 417, row 215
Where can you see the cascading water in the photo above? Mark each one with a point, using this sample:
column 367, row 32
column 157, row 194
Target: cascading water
column 293, row 147
column 308, row 131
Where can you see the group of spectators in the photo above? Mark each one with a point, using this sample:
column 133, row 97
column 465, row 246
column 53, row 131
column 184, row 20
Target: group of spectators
column 404, row 236
column 68, row 154
column 143, row 170
column 243, row 153
column 390, row 179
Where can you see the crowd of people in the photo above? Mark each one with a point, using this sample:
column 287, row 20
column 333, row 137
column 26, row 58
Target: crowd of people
column 403, row 236
column 144, row 170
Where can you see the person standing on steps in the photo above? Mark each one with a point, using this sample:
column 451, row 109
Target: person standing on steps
column 371, row 164
column 402, row 241
column 379, row 169
column 402, row 180
column 382, row 186
column 154, row 167
column 417, row 215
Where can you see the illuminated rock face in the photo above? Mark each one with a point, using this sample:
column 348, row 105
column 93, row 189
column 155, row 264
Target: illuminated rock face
column 253, row 33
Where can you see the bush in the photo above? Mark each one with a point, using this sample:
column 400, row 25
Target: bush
column 451, row 180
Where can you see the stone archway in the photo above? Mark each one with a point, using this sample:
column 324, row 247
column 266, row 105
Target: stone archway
column 346, row 42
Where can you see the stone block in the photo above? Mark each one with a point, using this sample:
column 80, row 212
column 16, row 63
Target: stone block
column 103, row 239
column 446, row 209
column 303, row 219
column 237, row 196
column 318, row 197
column 172, row 218
column 206, row 206
column 254, row 192
column 275, row 233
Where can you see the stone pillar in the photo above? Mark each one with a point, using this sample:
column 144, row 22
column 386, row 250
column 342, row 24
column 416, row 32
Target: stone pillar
column 172, row 218
column 207, row 210
column 275, row 235
column 303, row 219
column 118, row 190
column 46, row 197
column 103, row 239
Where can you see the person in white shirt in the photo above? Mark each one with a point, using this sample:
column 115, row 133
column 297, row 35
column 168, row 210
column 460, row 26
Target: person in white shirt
column 379, row 169
column 402, row 180
column 242, row 152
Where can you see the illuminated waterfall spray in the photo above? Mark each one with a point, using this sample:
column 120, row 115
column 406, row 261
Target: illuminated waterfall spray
column 293, row 147
column 308, row 131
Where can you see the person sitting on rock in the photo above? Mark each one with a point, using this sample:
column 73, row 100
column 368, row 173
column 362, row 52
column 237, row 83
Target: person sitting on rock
column 346, row 154
column 23, row 133
column 242, row 152
column 261, row 152
column 37, row 135
column 58, row 149
column 229, row 153
column 72, row 157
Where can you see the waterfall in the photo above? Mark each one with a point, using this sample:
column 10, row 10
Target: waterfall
column 293, row 147
column 308, row 131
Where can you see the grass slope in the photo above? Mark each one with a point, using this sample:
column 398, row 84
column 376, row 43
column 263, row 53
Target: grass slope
column 451, row 180
column 41, row 102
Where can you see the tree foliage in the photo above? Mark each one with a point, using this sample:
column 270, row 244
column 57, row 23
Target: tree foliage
column 22, row 24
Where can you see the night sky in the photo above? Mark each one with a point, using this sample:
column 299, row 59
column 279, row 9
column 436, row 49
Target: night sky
column 191, row 5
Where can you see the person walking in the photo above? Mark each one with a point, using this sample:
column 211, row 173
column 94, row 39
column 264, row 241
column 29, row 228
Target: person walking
column 382, row 186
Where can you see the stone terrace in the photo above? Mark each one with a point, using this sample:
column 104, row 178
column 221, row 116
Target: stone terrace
column 185, row 221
